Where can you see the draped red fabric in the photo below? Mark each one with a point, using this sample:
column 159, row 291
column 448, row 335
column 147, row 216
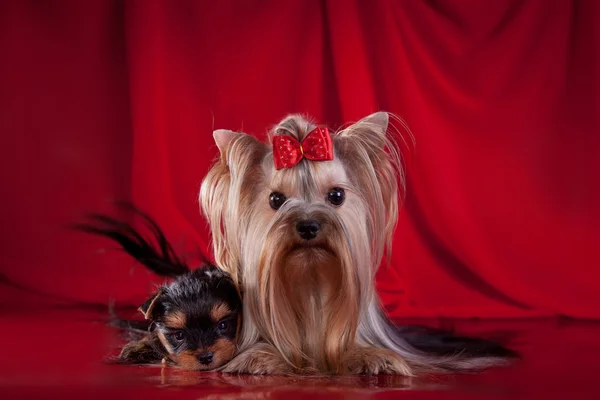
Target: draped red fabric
column 105, row 100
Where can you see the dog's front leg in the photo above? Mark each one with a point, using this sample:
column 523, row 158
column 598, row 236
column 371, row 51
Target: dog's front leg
column 260, row 359
column 371, row 360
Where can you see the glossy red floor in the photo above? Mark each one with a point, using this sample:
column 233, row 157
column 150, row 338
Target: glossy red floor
column 59, row 353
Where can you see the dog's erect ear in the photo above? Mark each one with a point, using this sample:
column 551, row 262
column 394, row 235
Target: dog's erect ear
column 380, row 120
column 228, row 141
column 369, row 142
column 148, row 307
column 224, row 138
column 370, row 131
column 241, row 155
column 236, row 147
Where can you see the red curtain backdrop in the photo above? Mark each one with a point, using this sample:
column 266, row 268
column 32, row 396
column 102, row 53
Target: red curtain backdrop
column 106, row 100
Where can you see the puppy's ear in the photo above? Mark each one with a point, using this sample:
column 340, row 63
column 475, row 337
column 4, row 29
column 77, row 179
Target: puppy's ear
column 148, row 307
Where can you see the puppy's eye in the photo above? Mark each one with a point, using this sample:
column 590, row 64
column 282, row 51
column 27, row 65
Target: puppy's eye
column 223, row 325
column 178, row 336
column 276, row 200
column 336, row 196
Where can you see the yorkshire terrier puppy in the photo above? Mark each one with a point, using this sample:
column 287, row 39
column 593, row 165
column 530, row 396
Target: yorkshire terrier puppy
column 302, row 224
column 194, row 320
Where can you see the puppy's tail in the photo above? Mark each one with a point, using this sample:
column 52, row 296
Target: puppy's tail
column 157, row 255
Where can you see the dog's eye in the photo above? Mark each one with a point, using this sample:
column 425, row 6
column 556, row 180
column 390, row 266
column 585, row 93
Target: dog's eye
column 276, row 200
column 336, row 196
column 178, row 336
column 223, row 325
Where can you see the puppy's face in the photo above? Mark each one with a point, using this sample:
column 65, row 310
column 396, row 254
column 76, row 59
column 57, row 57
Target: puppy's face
column 197, row 319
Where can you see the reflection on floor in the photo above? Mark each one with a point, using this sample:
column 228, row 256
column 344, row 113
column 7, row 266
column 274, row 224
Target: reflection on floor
column 61, row 353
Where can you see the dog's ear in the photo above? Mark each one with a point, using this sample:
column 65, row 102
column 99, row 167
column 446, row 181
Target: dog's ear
column 240, row 159
column 369, row 141
column 238, row 150
column 149, row 305
column 223, row 139
column 371, row 132
column 379, row 122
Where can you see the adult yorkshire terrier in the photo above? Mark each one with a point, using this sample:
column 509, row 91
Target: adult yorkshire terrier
column 302, row 224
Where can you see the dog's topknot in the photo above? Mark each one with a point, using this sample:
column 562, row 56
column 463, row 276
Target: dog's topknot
column 294, row 125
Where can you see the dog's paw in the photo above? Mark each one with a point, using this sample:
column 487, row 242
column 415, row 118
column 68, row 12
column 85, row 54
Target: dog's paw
column 260, row 359
column 373, row 361
column 146, row 350
column 139, row 352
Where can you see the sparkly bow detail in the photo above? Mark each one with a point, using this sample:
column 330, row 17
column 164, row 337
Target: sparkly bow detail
column 316, row 146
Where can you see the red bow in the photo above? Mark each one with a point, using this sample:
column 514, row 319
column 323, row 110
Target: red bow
column 316, row 146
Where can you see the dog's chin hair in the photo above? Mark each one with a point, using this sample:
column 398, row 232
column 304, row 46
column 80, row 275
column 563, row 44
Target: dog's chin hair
column 297, row 290
column 313, row 303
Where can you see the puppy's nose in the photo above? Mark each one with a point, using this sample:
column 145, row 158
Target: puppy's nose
column 205, row 358
column 308, row 229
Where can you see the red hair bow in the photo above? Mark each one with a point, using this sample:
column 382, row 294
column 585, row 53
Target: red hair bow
column 316, row 146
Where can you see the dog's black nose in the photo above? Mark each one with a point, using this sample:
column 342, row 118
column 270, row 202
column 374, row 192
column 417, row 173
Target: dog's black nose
column 205, row 358
column 308, row 229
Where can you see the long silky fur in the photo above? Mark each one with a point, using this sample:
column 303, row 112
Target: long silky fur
column 250, row 242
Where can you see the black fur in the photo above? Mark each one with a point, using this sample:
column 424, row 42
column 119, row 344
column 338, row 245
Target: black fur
column 193, row 293
column 147, row 350
column 446, row 343
column 162, row 260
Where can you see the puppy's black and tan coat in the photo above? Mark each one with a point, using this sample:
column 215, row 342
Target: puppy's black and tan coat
column 195, row 319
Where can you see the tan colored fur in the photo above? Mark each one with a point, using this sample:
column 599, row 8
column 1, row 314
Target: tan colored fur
column 373, row 360
column 148, row 312
column 219, row 311
column 165, row 342
column 260, row 358
column 310, row 308
column 223, row 350
column 187, row 360
column 176, row 320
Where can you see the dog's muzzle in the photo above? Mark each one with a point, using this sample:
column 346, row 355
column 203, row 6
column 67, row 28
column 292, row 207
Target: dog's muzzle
column 308, row 229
